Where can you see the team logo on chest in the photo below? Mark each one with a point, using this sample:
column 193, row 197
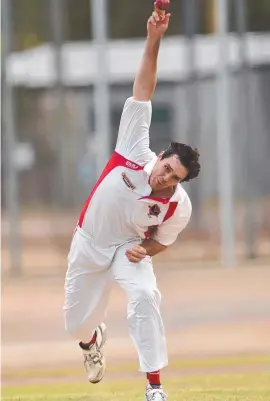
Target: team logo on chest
column 154, row 210
column 128, row 182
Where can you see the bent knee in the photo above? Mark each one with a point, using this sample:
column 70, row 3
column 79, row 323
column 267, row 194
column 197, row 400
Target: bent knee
column 146, row 294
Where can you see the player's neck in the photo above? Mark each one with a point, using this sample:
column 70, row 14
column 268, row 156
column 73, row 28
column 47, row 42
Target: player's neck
column 164, row 193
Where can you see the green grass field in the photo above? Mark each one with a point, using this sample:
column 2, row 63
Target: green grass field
column 180, row 382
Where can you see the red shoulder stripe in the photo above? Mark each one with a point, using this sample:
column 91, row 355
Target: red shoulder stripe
column 115, row 161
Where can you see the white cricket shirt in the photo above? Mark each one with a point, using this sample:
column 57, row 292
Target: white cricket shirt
column 119, row 208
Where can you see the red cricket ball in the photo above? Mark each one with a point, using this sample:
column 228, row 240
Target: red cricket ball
column 162, row 4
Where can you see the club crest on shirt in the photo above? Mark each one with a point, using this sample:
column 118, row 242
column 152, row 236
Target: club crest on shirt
column 154, row 210
column 128, row 182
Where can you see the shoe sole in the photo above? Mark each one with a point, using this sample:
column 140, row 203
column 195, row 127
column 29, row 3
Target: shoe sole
column 97, row 381
column 102, row 327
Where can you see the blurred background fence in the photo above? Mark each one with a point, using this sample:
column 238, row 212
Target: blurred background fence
column 67, row 68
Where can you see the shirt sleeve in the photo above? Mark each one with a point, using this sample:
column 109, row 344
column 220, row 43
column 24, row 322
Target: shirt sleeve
column 168, row 231
column 133, row 135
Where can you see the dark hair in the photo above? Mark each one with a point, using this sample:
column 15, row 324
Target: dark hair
column 187, row 155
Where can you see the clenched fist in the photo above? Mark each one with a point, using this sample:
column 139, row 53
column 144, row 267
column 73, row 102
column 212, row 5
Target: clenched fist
column 136, row 253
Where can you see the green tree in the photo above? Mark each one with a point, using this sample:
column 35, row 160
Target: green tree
column 258, row 15
column 78, row 20
column 29, row 23
column 126, row 19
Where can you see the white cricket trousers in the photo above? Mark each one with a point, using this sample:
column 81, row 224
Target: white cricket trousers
column 87, row 288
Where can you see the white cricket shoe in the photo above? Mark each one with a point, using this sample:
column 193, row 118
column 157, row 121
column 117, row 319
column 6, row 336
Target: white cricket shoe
column 94, row 360
column 155, row 394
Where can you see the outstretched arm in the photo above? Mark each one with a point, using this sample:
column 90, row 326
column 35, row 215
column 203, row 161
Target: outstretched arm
column 145, row 81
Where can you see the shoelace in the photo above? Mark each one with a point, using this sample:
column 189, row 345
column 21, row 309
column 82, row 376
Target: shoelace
column 93, row 358
column 154, row 392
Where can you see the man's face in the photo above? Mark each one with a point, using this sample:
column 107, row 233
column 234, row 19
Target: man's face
column 167, row 173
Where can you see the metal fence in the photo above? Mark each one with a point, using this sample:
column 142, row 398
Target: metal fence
column 38, row 125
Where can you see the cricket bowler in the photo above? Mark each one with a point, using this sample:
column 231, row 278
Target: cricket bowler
column 135, row 211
